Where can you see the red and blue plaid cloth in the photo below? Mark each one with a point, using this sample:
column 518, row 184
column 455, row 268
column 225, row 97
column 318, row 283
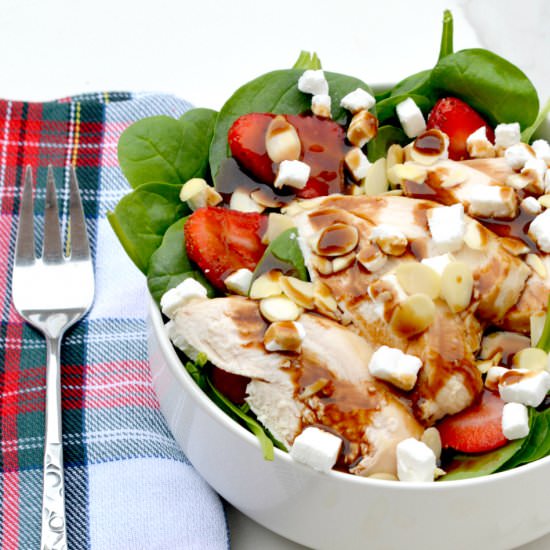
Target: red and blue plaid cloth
column 129, row 486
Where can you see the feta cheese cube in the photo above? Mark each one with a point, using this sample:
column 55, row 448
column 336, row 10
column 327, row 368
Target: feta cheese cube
column 531, row 205
column 313, row 82
column 395, row 367
column 447, row 227
column 517, row 155
column 438, row 263
column 415, row 461
column 540, row 230
column 316, row 448
column 239, row 281
column 293, row 173
column 515, row 421
column 320, row 105
column 492, row 201
column 542, row 150
column 357, row 100
column 478, row 145
column 357, row 163
column 507, row 135
column 537, row 166
column 174, row 298
column 530, row 390
column 411, row 117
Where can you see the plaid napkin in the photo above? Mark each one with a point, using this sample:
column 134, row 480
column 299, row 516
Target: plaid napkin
column 129, row 486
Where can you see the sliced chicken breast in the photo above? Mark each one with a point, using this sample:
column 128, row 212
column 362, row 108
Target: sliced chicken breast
column 326, row 384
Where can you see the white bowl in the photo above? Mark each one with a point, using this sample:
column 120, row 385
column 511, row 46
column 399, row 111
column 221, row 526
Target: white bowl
column 338, row 510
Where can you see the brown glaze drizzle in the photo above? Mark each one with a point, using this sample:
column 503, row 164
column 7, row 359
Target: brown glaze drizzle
column 513, row 377
column 430, row 143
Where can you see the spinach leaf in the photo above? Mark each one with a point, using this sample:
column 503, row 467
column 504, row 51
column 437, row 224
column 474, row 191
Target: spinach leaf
column 446, row 47
column 307, row 60
column 197, row 371
column 237, row 414
column 544, row 340
column 283, row 253
column 141, row 218
column 385, row 110
column 489, row 84
column 466, row 466
column 387, row 135
column 418, row 83
column 528, row 133
column 275, row 92
column 163, row 149
column 169, row 264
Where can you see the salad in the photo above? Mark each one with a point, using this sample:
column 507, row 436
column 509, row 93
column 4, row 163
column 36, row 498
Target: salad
column 358, row 277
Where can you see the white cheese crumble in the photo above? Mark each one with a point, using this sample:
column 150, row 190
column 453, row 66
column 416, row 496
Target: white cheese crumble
column 411, row 117
column 313, row 82
column 447, row 227
column 357, row 100
column 540, row 230
column 515, row 421
column 239, row 281
column 316, row 448
column 395, row 367
column 530, row 390
column 507, row 135
column 415, row 461
column 187, row 290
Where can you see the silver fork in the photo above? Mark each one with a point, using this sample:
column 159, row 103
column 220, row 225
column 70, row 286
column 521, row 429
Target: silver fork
column 52, row 293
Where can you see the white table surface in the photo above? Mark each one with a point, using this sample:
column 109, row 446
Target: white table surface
column 203, row 50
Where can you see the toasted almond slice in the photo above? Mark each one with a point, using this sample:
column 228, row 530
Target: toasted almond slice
column 394, row 156
column 452, row 177
column 390, row 240
column 536, row 264
column 362, row 128
column 313, row 388
column 432, row 439
column 473, row 237
column 266, row 285
column 198, row 194
column 276, row 224
column 279, row 308
column 264, row 198
column 408, row 172
column 284, row 336
column 484, row 366
column 418, row 278
column 371, row 257
column 343, row 262
column 534, row 359
column 536, row 322
column 321, row 264
column 241, row 201
column 514, row 246
column 493, row 344
column 282, row 141
column 336, row 240
column 413, row 315
column 494, row 374
column 376, row 182
column 457, row 284
column 544, row 201
column 324, row 300
column 300, row 292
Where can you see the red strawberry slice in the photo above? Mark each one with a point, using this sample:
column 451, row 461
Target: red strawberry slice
column 323, row 149
column 477, row 429
column 221, row 241
column 458, row 120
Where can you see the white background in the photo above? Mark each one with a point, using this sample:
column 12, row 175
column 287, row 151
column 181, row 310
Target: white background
column 205, row 49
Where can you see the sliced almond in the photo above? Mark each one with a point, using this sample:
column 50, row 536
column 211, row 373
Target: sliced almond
column 390, row 240
column 371, row 257
column 544, row 201
column 276, row 224
column 418, row 278
column 432, row 439
column 493, row 344
column 315, row 387
column 451, row 177
column 407, row 152
column 324, row 300
column 536, row 322
column 279, row 308
column 536, row 264
column 494, row 374
column 282, row 141
column 413, row 315
column 473, row 237
column 336, row 240
column 514, row 246
column 484, row 366
column 534, row 359
column 321, row 264
column 363, row 127
column 265, row 198
column 284, row 336
column 266, row 285
column 394, row 156
column 343, row 262
column 480, row 149
column 198, row 194
column 376, row 182
column 408, row 172
column 457, row 284
column 300, row 292
column 241, row 201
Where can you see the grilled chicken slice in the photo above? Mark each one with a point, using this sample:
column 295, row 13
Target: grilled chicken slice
column 327, row 383
column 449, row 380
column 480, row 193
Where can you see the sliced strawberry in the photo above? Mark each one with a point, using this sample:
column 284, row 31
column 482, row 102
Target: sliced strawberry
column 477, row 429
column 221, row 241
column 231, row 385
column 323, row 149
column 458, row 120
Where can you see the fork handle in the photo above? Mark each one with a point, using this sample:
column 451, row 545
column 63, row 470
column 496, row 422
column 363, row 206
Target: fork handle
column 54, row 527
